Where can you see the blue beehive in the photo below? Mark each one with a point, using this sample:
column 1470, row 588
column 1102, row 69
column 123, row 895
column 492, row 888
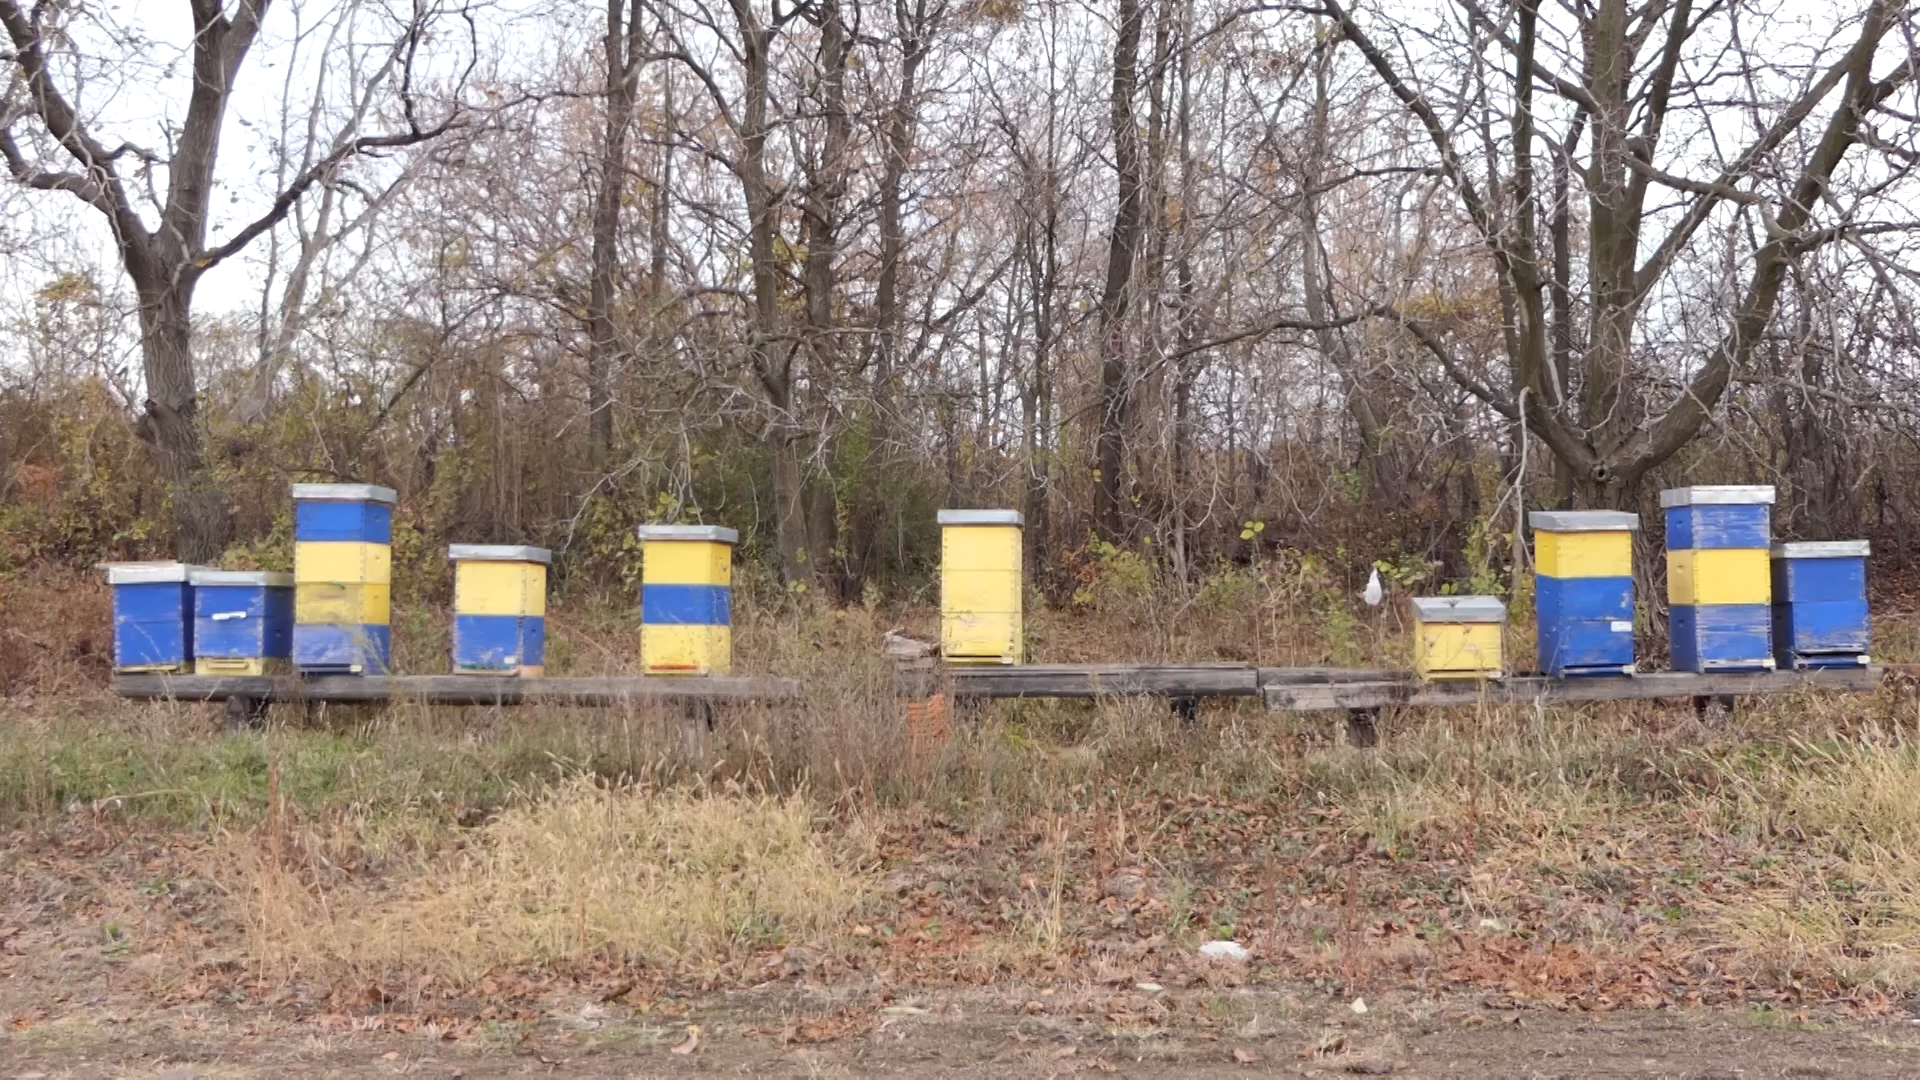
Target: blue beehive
column 242, row 621
column 1820, row 604
column 342, row 578
column 1718, row 587
column 152, row 616
column 499, row 609
column 1583, row 591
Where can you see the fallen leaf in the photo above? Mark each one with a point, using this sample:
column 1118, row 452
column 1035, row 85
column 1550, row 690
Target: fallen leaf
column 1359, row 1006
column 691, row 1043
column 391, row 1055
column 1245, row 1056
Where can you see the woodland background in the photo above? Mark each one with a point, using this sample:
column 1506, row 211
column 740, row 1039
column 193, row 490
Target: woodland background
column 1192, row 283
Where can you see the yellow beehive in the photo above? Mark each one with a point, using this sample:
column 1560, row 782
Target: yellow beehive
column 686, row 599
column 1703, row 577
column 981, row 578
column 1604, row 551
column 499, row 609
column 1458, row 637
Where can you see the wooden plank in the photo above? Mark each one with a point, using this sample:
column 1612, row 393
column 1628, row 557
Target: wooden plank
column 1104, row 680
column 1410, row 692
column 1274, row 676
column 455, row 689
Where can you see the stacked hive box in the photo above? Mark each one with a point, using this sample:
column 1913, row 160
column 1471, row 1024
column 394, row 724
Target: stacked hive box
column 499, row 609
column 1820, row 604
column 686, row 599
column 1718, row 578
column 242, row 621
column 1458, row 637
column 1584, row 591
column 152, row 616
column 342, row 578
column 981, row 574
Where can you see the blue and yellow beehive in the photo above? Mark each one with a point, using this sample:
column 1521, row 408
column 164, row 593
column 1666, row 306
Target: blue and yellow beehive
column 686, row 599
column 499, row 609
column 1718, row 580
column 1583, row 591
column 1820, row 604
column 342, row 578
column 982, row 575
column 1458, row 637
column 242, row 621
column 152, row 616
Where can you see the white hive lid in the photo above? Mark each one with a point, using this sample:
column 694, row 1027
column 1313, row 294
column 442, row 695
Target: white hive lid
column 1583, row 521
column 980, row 517
column 499, row 553
column 275, row 579
column 718, row 534
column 149, row 573
column 1459, row 609
column 344, row 493
column 1718, row 495
column 1822, row 549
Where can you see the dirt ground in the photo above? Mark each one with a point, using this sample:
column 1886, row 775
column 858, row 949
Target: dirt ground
column 787, row 1033
column 115, row 961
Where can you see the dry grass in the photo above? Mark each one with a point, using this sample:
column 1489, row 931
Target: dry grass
column 585, row 871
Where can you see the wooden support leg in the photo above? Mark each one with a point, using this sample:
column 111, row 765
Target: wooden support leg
column 1186, row 710
column 696, row 732
column 1363, row 727
column 1713, row 710
column 245, row 714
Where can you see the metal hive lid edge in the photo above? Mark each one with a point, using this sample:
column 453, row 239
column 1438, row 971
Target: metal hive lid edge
column 275, row 579
column 980, row 517
column 1717, row 495
column 1459, row 609
column 712, row 533
column 1822, row 549
column 345, row 493
column 500, row 553
column 1583, row 521
column 149, row 573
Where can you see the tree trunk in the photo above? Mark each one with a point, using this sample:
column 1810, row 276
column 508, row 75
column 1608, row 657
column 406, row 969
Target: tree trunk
column 171, row 424
column 622, row 52
column 1110, row 450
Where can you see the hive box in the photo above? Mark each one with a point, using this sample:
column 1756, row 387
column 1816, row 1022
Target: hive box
column 1583, row 591
column 686, row 599
column 1458, row 637
column 499, row 609
column 1820, row 604
column 242, row 621
column 1719, row 589
column 982, row 571
column 343, row 577
column 152, row 616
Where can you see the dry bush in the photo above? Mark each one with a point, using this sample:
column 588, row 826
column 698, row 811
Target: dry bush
column 586, row 871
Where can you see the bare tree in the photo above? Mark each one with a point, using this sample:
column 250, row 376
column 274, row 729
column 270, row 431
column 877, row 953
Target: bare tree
column 50, row 146
column 1634, row 81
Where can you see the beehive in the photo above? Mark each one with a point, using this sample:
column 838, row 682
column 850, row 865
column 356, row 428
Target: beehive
column 152, row 616
column 1718, row 582
column 1583, row 591
column 342, row 578
column 1458, row 637
column 981, row 579
column 686, row 599
column 499, row 609
column 242, row 621
column 1820, row 604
